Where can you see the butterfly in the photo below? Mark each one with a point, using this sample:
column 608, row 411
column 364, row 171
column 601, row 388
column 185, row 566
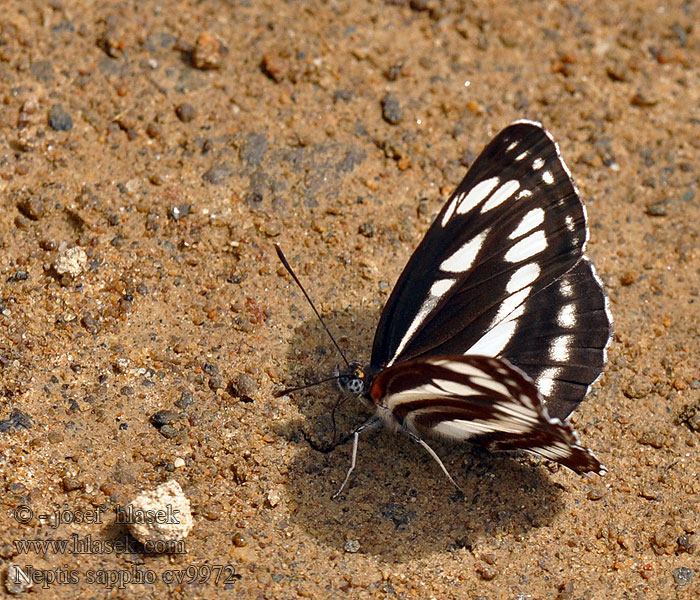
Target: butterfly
column 498, row 324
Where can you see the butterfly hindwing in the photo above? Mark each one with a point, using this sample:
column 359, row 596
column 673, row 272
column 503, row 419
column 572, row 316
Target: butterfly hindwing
column 561, row 344
column 479, row 399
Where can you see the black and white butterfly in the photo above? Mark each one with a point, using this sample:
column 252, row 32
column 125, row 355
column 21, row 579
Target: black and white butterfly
column 498, row 324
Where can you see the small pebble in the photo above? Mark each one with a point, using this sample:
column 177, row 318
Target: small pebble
column 164, row 417
column 208, row 51
column 178, row 212
column 352, row 546
column 391, row 109
column 59, row 119
column 168, row 500
column 121, row 365
column 218, row 174
column 72, row 262
column 273, row 498
column 238, row 540
column 185, row 112
column 682, row 576
column 367, row 229
column 657, row 210
column 178, row 463
column 70, row 484
column 243, row 386
column 628, row 278
column 16, row 580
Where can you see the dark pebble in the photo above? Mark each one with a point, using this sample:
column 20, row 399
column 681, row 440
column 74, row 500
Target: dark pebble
column 419, row 5
column 394, row 71
column 43, row 71
column 16, row 420
column 254, row 149
column 238, row 540
column 210, row 369
column 177, row 212
column 154, row 131
column 685, row 544
column 186, row 400
column 487, row 572
column 218, row 174
column 169, row 432
column 18, row 276
column 216, row 382
column 70, row 484
column 164, row 417
column 367, row 229
column 59, row 119
column 391, row 109
column 682, row 575
column 342, row 95
column 243, row 386
column 185, row 112
column 89, row 322
column 657, row 210
column 32, row 208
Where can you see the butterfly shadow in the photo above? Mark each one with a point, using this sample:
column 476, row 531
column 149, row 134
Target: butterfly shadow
column 398, row 505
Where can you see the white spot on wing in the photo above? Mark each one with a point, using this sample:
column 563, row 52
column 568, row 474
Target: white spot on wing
column 566, row 289
column 531, row 220
column 425, row 309
column 510, row 304
column 548, row 178
column 451, row 209
column 527, row 247
column 512, row 146
column 463, row 258
column 566, row 317
column 545, row 381
column 522, row 156
column 493, row 342
column 537, row 164
column 523, row 277
column 570, row 225
column 477, row 194
column 502, row 194
column 441, row 287
column 560, row 348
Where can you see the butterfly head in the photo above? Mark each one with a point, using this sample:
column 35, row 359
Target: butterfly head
column 353, row 381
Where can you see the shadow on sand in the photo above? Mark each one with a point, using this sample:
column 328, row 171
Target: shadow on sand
column 398, row 504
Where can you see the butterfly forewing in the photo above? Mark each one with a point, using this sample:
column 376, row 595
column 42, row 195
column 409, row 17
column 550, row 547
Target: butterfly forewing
column 513, row 225
column 479, row 399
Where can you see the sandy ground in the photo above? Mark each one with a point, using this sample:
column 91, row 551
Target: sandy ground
column 172, row 143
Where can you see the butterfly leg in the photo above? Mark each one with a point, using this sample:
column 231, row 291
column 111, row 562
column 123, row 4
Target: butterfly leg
column 368, row 425
column 436, row 458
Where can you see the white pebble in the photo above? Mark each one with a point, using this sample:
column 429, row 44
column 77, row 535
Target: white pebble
column 172, row 509
column 72, row 262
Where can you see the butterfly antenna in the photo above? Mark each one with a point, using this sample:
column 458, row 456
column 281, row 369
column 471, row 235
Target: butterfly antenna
column 286, row 391
column 281, row 256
